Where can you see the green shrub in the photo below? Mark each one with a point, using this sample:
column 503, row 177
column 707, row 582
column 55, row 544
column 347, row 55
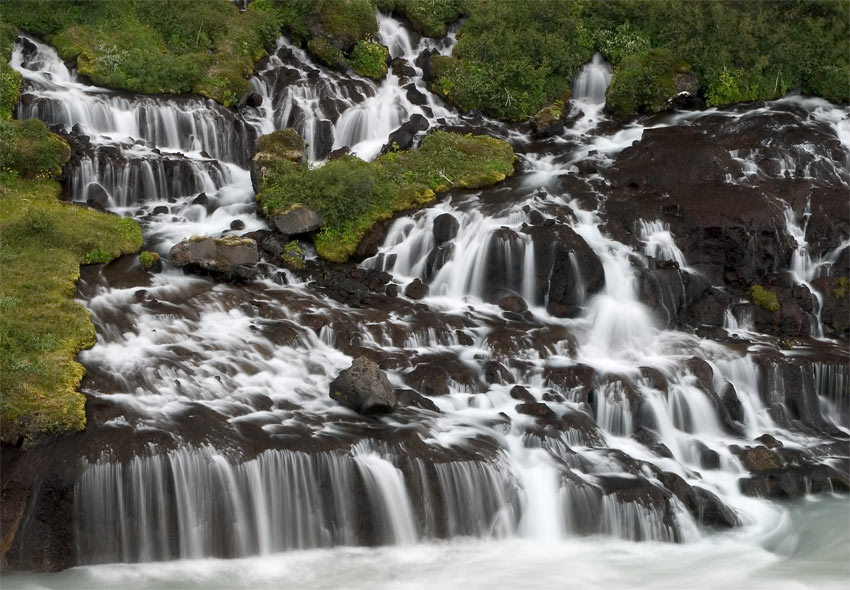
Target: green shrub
column 764, row 298
column 353, row 195
column 429, row 17
column 369, row 59
column 643, row 82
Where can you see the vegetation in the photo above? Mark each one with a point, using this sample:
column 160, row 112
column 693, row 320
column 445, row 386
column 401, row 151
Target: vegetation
column 764, row 298
column 645, row 82
column 41, row 326
column 353, row 195
column 512, row 58
column 369, row 59
column 148, row 259
column 144, row 46
column 44, row 242
column 292, row 256
column 429, row 17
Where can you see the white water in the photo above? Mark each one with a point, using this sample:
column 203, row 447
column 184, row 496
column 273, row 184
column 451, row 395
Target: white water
column 533, row 499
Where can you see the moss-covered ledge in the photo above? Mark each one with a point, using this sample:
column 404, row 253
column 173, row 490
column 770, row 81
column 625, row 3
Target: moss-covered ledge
column 43, row 242
column 352, row 195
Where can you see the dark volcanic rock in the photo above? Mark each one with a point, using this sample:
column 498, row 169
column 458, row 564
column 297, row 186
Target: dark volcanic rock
column 445, row 227
column 402, row 138
column 416, row 289
column 364, row 388
column 566, row 268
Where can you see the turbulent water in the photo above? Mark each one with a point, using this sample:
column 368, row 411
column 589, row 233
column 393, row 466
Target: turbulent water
column 469, row 490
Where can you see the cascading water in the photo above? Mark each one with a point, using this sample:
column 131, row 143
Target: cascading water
column 575, row 423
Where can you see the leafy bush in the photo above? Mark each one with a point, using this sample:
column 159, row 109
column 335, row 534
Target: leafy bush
column 514, row 57
column 353, row 195
column 429, row 17
column 643, row 82
column 369, row 59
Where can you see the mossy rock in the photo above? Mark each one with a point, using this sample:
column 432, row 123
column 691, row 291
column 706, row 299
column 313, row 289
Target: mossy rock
column 284, row 144
column 765, row 299
column 352, row 195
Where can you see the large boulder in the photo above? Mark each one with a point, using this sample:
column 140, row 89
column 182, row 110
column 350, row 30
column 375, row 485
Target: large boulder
column 364, row 388
column 297, row 220
column 230, row 256
column 566, row 268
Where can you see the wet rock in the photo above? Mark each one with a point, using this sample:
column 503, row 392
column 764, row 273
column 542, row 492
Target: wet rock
column 237, row 224
column 566, row 268
column 445, row 228
column 521, row 393
column 96, row 196
column 201, row 199
column 495, row 372
column 437, row 258
column 732, row 403
column 423, row 62
column 402, row 138
column 297, row 220
column 548, row 121
column 795, row 481
column 160, row 210
column 437, row 375
column 254, row 99
column 339, row 153
column 576, row 381
column 408, row 397
column 402, row 68
column 230, row 256
column 513, row 303
column 463, row 338
column 416, row 289
column 364, row 388
column 708, row 458
column 769, row 441
column 760, row 459
column 536, row 409
column 704, row 505
column 415, row 96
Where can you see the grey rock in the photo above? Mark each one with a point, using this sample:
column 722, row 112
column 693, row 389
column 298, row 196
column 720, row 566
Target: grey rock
column 364, row 388
column 298, row 219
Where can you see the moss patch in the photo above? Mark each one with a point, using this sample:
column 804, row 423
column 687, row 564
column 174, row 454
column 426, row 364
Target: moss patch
column 41, row 326
column 764, row 298
column 369, row 59
column 353, row 195
column 148, row 259
column 292, row 256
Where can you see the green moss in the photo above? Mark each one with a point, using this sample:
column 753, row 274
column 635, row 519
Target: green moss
column 148, row 259
column 326, row 52
column 644, row 82
column 840, row 286
column 284, row 143
column 429, row 17
column 353, row 195
column 41, row 326
column 292, row 256
column 763, row 298
column 30, row 149
column 369, row 59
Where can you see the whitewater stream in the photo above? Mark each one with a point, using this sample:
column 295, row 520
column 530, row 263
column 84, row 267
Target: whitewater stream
column 617, row 461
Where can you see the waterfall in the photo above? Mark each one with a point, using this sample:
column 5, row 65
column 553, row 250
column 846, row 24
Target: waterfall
column 579, row 416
